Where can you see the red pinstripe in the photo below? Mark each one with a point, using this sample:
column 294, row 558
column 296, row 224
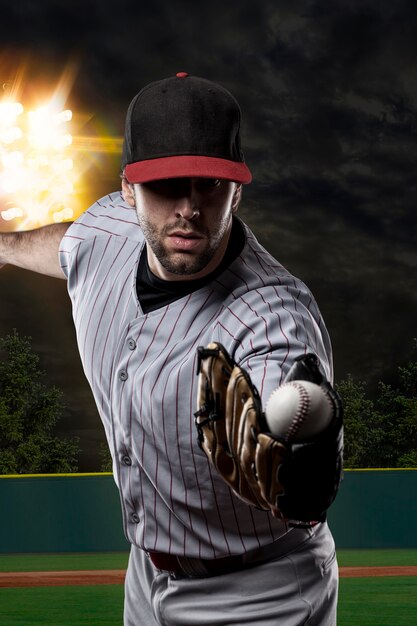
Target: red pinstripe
column 112, row 218
column 191, row 426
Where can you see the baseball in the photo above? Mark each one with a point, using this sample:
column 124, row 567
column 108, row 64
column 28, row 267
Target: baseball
column 298, row 410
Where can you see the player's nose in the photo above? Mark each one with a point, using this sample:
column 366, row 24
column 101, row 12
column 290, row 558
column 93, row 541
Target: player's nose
column 186, row 207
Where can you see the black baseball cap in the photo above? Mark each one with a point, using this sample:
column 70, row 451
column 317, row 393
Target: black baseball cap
column 183, row 126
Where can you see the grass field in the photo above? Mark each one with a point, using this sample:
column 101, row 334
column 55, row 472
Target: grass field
column 61, row 562
column 378, row 601
column 376, row 558
column 118, row 560
column 362, row 602
column 100, row 605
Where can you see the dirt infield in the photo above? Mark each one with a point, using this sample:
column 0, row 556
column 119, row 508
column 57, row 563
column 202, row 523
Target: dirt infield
column 116, row 577
column 61, row 579
column 393, row 570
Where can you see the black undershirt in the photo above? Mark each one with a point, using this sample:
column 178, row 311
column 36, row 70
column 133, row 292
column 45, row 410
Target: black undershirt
column 153, row 292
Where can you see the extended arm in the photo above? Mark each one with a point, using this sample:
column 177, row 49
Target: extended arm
column 35, row 250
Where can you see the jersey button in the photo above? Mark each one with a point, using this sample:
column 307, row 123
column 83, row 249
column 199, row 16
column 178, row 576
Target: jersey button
column 131, row 344
column 135, row 518
column 126, row 460
column 123, row 375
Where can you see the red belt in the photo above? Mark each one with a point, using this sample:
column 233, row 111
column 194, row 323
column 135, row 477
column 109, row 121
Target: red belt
column 181, row 566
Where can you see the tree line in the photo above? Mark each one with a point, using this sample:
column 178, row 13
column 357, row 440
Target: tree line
column 29, row 412
column 380, row 431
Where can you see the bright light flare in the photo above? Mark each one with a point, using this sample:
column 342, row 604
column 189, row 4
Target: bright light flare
column 45, row 129
column 11, row 214
column 44, row 157
column 37, row 175
column 9, row 111
column 9, row 135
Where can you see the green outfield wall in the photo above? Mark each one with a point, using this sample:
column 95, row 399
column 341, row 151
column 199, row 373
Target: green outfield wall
column 60, row 513
column 376, row 509
column 81, row 513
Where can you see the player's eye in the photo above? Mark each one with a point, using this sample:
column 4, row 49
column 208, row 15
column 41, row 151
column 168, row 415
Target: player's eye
column 209, row 183
column 171, row 187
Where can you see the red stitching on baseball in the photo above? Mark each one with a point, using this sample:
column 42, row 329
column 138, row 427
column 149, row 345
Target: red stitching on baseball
column 303, row 408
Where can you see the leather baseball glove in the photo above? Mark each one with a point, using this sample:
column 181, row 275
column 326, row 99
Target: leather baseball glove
column 297, row 482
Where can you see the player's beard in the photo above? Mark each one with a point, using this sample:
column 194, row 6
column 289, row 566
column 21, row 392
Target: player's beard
column 183, row 263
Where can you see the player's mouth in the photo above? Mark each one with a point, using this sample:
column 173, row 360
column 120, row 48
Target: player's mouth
column 185, row 240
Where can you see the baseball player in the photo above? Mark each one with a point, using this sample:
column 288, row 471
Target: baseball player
column 156, row 273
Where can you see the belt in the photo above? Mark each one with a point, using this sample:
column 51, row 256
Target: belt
column 187, row 567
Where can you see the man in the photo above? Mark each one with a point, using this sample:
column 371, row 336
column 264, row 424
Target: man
column 154, row 273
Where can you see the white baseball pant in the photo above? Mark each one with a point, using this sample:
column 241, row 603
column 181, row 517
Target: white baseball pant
column 297, row 589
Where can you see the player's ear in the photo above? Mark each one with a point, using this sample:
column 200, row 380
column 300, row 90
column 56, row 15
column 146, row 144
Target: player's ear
column 128, row 192
column 237, row 194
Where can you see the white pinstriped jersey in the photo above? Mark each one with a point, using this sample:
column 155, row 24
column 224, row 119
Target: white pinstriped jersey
column 142, row 371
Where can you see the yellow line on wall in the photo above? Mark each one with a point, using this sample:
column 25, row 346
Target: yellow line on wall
column 77, row 475
column 74, row 475
column 381, row 469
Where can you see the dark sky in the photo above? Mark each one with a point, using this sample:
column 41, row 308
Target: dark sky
column 328, row 92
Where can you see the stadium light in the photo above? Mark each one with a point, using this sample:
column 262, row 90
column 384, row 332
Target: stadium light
column 37, row 173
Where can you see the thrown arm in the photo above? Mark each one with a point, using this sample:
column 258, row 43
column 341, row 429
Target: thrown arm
column 35, row 250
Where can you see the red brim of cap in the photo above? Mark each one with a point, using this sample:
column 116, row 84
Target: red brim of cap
column 187, row 167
